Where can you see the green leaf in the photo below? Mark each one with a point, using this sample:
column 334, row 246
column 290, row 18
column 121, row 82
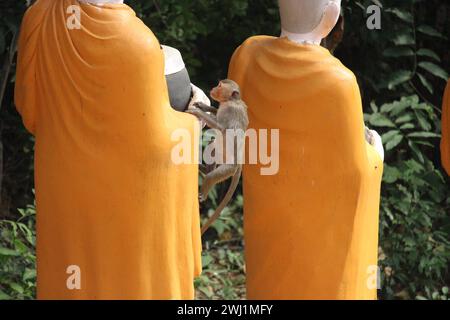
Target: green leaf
column 404, row 39
column 399, row 77
column 30, row 274
column 405, row 118
column 423, row 121
column 396, row 52
column 361, row 6
column 378, row 3
column 428, row 53
column 387, row 107
column 16, row 287
column 374, row 107
column 391, row 174
column 220, row 226
column 407, row 126
column 435, row 295
column 379, row 120
column 4, row 296
column 8, row 252
column 207, row 291
column 395, row 141
column 206, row 260
column 430, row 31
column 425, row 83
column 389, row 135
column 20, row 246
column 434, row 70
column 424, row 143
column 417, row 152
column 424, row 135
column 403, row 15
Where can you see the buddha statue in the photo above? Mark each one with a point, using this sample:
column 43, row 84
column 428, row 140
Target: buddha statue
column 311, row 230
column 116, row 218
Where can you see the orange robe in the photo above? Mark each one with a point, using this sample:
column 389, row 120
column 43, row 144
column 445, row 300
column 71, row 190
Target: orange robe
column 109, row 199
column 311, row 231
column 445, row 142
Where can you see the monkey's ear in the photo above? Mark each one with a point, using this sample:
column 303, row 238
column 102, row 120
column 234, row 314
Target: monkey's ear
column 235, row 94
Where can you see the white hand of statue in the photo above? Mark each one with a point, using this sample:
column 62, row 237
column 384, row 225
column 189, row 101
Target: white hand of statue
column 198, row 96
column 374, row 139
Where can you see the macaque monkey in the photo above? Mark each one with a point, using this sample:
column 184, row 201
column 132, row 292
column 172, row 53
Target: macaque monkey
column 231, row 117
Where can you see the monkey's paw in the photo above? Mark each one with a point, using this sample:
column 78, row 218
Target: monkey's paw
column 202, row 197
column 197, row 105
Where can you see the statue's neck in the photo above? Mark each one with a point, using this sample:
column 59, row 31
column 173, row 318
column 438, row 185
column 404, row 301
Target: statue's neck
column 302, row 38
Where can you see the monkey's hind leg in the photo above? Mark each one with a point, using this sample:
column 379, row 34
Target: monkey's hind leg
column 206, row 168
column 221, row 173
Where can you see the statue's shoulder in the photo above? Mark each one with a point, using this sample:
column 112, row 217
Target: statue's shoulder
column 340, row 79
column 255, row 42
column 36, row 12
column 340, row 73
column 243, row 54
column 40, row 6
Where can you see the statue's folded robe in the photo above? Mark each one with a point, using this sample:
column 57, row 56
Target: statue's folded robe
column 445, row 142
column 109, row 199
column 311, row 231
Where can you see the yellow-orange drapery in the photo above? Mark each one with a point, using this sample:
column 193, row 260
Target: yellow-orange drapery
column 445, row 142
column 311, row 231
column 109, row 199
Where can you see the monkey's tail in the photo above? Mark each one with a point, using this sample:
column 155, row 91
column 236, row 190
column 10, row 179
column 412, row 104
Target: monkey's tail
column 233, row 186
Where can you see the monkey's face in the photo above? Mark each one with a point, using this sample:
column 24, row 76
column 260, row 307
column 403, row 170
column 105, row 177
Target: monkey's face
column 226, row 90
column 220, row 93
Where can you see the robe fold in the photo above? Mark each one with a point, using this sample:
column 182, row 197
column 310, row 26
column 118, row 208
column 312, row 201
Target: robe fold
column 311, row 230
column 445, row 142
column 116, row 218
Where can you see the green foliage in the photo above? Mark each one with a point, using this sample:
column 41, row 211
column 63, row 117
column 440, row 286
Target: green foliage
column 415, row 205
column 401, row 71
column 16, row 145
column 207, row 31
column 223, row 258
column 17, row 256
column 415, row 201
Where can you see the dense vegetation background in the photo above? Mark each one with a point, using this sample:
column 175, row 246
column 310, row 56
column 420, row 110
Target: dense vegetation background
column 402, row 70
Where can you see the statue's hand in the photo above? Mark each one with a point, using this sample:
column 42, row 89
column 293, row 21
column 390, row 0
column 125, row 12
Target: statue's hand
column 198, row 96
column 370, row 138
column 374, row 139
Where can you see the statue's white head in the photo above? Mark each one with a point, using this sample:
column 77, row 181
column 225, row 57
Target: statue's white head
column 312, row 18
